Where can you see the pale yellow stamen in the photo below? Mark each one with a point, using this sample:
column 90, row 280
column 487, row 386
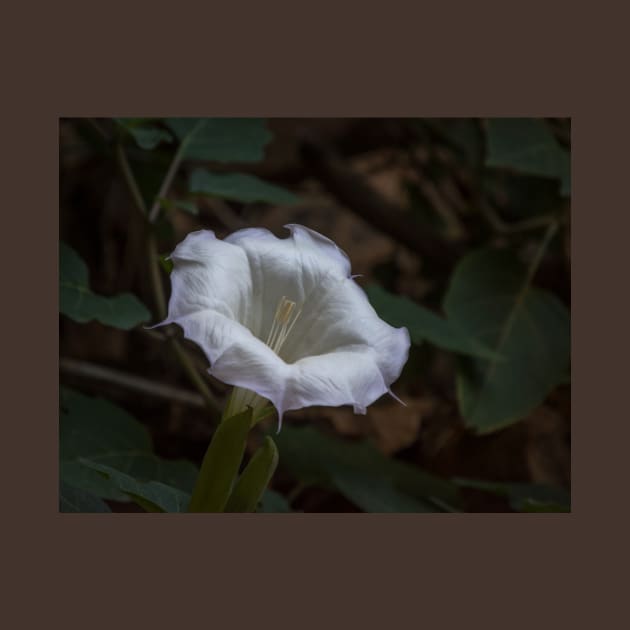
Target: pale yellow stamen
column 284, row 319
column 283, row 322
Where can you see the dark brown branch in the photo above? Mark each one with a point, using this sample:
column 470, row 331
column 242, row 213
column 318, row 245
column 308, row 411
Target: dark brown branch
column 130, row 381
column 352, row 191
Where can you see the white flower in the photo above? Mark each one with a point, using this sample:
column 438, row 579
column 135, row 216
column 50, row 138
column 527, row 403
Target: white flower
column 284, row 319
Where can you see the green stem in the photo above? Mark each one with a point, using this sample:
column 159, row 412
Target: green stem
column 130, row 180
column 166, row 183
column 542, row 248
column 499, row 225
column 156, row 280
column 520, row 297
column 172, row 170
column 241, row 398
column 195, row 377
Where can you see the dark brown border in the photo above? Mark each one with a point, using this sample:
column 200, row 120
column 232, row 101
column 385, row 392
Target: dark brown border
column 316, row 570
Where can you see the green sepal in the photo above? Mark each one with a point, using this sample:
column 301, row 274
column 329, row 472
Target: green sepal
column 252, row 484
column 221, row 464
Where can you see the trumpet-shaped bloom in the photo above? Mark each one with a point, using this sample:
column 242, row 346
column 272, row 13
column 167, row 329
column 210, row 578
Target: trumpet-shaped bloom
column 283, row 319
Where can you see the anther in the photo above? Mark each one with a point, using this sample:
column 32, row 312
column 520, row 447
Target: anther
column 285, row 308
column 282, row 324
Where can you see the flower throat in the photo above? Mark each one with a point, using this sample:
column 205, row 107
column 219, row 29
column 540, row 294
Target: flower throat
column 283, row 322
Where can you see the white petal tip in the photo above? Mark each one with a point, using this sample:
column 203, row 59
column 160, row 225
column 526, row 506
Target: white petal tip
column 164, row 323
column 391, row 393
column 359, row 410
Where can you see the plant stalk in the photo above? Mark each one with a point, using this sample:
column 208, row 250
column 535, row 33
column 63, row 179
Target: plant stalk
column 154, row 263
column 172, row 170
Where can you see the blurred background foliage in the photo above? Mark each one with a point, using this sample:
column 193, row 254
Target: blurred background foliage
column 460, row 229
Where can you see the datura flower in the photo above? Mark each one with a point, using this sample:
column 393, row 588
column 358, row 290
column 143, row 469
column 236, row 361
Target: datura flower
column 283, row 320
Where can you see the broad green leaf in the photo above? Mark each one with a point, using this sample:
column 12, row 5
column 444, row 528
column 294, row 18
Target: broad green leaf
column 376, row 494
column 147, row 135
column 524, row 497
column 520, row 196
column 354, row 467
column 464, row 135
column 222, row 139
column 527, row 145
column 188, row 206
column 534, row 505
column 98, row 430
column 254, row 479
column 77, row 301
column 274, row 502
column 76, row 500
column 221, row 464
column 153, row 496
column 238, row 187
column 422, row 323
column 489, row 300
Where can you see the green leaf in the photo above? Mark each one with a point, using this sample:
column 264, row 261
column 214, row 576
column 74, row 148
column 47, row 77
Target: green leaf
column 524, row 497
column 464, row 135
column 153, row 496
column 274, row 502
column 188, row 206
column 490, row 300
column 222, row 139
column 221, row 464
column 166, row 263
column 147, row 136
column 238, row 187
column 533, row 505
column 76, row 500
column 423, row 324
column 527, row 145
column 375, row 494
column 519, row 196
column 254, row 480
column 77, row 301
column 357, row 469
column 97, row 430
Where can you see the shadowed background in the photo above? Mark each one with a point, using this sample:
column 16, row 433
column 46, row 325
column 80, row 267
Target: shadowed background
column 409, row 201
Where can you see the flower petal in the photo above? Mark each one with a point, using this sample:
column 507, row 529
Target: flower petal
column 287, row 267
column 338, row 315
column 316, row 244
column 210, row 274
column 225, row 294
column 345, row 377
